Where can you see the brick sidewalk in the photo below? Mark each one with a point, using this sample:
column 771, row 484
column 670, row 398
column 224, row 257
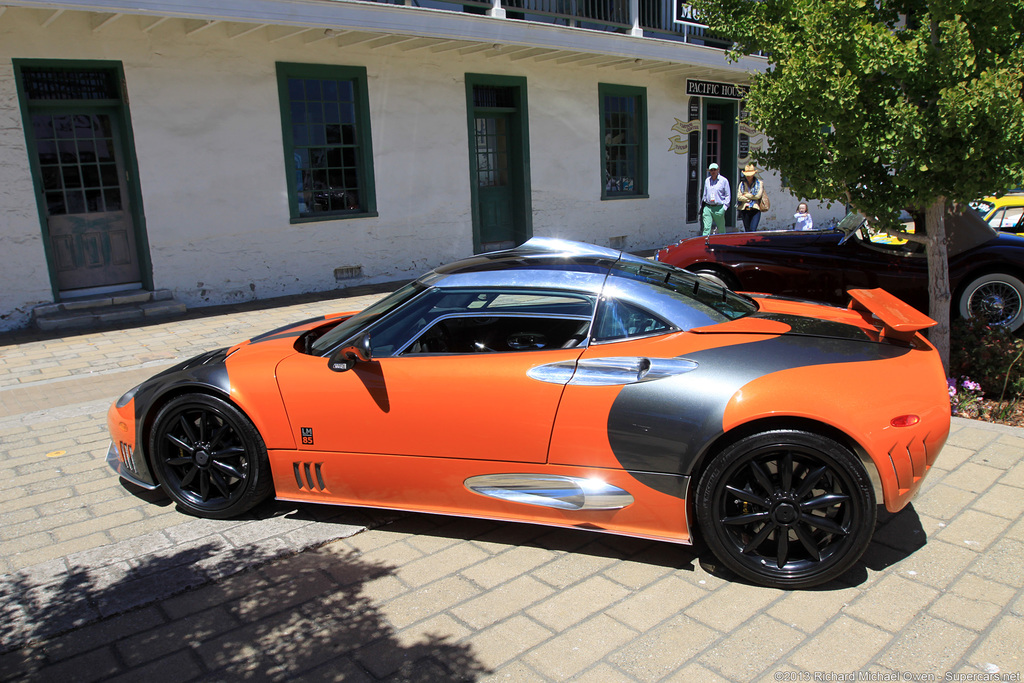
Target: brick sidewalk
column 104, row 583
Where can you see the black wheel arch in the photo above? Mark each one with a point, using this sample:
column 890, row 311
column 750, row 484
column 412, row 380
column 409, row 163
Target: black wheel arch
column 775, row 423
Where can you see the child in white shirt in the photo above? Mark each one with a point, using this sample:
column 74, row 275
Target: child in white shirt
column 803, row 218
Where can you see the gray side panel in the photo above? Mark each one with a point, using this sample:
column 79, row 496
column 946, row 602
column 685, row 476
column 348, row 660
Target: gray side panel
column 663, row 426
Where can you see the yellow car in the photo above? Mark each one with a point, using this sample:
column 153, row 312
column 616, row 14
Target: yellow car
column 1003, row 213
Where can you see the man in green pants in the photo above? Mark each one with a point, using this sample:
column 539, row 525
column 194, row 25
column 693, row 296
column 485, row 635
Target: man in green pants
column 716, row 199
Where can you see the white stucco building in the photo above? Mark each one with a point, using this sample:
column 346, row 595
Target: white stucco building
column 230, row 150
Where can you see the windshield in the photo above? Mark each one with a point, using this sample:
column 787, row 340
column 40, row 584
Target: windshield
column 982, row 207
column 368, row 316
column 850, row 222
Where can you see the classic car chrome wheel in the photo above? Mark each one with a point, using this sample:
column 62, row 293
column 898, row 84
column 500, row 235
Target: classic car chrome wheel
column 714, row 276
column 209, row 457
column 995, row 297
column 787, row 509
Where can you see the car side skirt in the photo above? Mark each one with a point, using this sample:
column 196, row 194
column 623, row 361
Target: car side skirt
column 575, row 497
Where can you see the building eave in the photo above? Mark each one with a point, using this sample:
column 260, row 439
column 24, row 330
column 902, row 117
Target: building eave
column 352, row 21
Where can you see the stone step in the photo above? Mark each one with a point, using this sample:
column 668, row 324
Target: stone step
column 132, row 306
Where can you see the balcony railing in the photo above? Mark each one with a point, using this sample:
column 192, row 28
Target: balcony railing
column 652, row 18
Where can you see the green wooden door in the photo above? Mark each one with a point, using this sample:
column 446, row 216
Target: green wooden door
column 493, row 181
column 499, row 161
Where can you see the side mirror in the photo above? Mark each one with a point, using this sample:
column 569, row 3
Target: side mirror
column 345, row 358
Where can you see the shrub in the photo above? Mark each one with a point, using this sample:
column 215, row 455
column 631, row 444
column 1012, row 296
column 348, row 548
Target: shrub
column 990, row 356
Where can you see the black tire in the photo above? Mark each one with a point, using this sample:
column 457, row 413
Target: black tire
column 995, row 297
column 714, row 276
column 806, row 485
column 209, row 457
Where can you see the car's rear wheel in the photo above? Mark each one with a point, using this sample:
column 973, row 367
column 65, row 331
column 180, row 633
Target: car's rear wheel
column 995, row 297
column 209, row 457
column 786, row 508
column 713, row 275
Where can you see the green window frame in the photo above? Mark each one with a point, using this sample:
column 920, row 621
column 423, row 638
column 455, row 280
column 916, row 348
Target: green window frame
column 328, row 154
column 623, row 112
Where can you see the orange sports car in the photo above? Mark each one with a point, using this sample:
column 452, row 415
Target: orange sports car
column 567, row 384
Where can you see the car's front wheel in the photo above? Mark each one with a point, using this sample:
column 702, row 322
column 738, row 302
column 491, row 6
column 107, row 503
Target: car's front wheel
column 995, row 297
column 209, row 457
column 786, row 508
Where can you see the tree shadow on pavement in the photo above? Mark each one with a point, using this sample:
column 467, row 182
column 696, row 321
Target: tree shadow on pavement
column 307, row 615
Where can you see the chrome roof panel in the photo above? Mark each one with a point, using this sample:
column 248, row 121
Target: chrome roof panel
column 568, row 279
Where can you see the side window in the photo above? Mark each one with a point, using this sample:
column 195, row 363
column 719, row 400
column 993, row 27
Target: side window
column 486, row 321
column 325, row 122
column 500, row 333
column 1011, row 217
column 620, row 320
column 623, row 141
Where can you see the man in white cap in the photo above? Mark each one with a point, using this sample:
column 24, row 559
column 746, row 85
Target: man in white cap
column 716, row 198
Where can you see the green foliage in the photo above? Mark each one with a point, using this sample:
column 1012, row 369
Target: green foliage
column 885, row 105
column 991, row 356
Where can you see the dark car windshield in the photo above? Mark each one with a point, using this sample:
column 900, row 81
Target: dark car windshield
column 368, row 316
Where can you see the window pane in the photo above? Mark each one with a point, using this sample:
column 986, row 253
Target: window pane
column 51, row 178
column 94, row 200
column 108, row 175
column 72, row 179
column 75, row 201
column 623, row 144
column 325, row 144
column 55, row 203
column 47, row 152
column 91, row 176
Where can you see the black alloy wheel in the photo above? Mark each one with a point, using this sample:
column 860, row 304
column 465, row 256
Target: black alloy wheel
column 786, row 509
column 209, row 457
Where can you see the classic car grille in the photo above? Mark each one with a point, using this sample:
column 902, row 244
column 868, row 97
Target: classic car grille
column 309, row 476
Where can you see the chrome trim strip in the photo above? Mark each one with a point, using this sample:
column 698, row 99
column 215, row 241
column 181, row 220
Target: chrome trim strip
column 611, row 371
column 551, row 491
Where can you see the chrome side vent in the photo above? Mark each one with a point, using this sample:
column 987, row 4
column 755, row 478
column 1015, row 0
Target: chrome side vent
column 551, row 491
column 309, row 476
column 127, row 457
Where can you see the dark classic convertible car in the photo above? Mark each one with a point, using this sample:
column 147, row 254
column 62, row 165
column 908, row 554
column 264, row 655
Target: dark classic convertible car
column 986, row 268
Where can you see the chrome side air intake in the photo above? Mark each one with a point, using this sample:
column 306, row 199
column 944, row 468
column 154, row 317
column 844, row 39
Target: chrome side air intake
column 551, row 490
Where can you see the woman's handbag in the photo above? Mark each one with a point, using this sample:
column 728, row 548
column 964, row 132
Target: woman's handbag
column 763, row 203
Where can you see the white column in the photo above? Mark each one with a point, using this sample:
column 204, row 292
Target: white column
column 496, row 11
column 634, row 19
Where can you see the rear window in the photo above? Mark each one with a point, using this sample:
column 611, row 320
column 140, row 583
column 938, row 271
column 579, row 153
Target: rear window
column 667, row 283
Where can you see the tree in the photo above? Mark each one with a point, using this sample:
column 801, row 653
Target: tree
column 887, row 105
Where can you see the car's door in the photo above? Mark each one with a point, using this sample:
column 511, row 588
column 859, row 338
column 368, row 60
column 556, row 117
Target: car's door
column 801, row 264
column 900, row 269
column 448, row 379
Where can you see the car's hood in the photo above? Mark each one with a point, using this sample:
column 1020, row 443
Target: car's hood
column 288, row 334
column 788, row 239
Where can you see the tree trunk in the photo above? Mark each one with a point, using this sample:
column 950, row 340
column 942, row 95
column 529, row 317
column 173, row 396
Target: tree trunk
column 939, row 296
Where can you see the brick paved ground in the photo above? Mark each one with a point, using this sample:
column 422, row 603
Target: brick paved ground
column 105, row 583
